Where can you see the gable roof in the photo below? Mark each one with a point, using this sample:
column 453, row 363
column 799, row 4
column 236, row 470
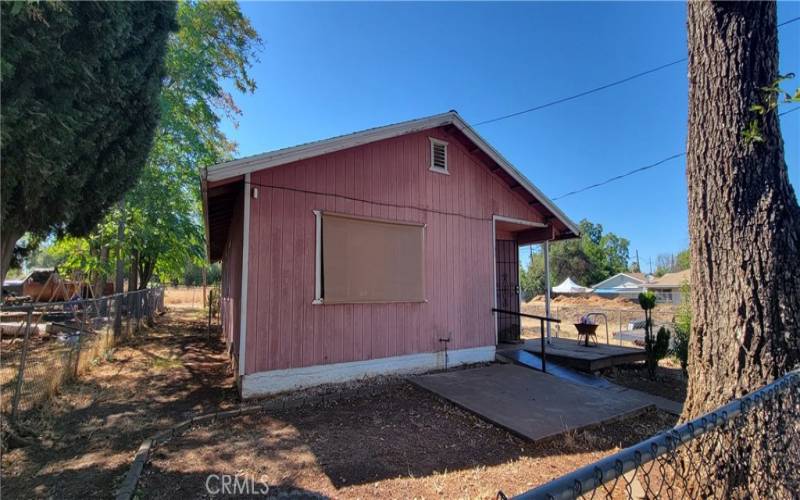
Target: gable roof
column 671, row 280
column 239, row 167
column 636, row 277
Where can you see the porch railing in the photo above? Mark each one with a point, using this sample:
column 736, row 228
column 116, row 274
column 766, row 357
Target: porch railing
column 541, row 319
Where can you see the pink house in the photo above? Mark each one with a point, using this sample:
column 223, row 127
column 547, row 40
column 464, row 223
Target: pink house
column 382, row 251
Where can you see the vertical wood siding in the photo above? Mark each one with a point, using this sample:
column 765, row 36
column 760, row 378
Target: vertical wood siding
column 231, row 287
column 389, row 179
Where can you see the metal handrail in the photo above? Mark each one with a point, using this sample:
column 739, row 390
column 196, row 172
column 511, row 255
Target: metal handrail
column 541, row 319
column 534, row 316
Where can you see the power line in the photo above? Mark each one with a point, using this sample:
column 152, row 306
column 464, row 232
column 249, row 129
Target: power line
column 598, row 89
column 642, row 169
column 621, row 176
column 576, row 96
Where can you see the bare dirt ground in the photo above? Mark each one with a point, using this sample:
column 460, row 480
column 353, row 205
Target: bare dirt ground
column 391, row 441
column 569, row 310
column 85, row 437
column 669, row 381
column 400, row 442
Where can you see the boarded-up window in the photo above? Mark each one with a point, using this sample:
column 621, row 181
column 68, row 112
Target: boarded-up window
column 367, row 260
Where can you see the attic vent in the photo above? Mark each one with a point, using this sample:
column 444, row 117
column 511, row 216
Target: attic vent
column 438, row 155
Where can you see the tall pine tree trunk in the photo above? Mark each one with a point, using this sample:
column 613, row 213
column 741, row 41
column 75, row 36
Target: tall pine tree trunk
column 744, row 220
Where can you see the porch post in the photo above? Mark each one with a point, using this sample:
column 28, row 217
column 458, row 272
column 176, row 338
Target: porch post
column 545, row 250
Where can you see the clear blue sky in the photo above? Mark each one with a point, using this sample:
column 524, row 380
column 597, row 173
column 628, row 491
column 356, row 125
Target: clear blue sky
column 329, row 69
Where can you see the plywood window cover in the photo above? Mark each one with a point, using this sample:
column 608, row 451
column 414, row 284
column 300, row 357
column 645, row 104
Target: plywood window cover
column 320, row 295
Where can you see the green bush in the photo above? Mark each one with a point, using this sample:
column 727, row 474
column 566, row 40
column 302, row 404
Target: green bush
column 655, row 346
column 683, row 327
column 647, row 300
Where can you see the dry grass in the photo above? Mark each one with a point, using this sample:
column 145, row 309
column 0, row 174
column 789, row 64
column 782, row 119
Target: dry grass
column 569, row 310
column 85, row 437
column 190, row 297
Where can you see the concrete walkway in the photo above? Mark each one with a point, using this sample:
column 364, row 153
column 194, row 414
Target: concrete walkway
column 529, row 403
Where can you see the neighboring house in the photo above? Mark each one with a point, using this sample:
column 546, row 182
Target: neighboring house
column 621, row 285
column 668, row 287
column 569, row 287
column 359, row 255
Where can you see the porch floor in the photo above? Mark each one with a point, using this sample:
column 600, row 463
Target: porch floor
column 570, row 353
column 529, row 403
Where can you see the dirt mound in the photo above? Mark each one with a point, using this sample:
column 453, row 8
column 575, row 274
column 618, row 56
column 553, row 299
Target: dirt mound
column 587, row 300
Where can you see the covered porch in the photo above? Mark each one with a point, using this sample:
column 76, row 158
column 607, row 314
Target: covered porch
column 509, row 236
column 573, row 354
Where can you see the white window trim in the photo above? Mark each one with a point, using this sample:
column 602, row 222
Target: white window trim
column 446, row 169
column 318, row 259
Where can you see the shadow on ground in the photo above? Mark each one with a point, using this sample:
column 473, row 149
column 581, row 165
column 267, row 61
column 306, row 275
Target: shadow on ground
column 398, row 442
column 87, row 435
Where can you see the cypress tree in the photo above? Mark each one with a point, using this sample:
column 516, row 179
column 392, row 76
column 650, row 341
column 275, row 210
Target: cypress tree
column 80, row 104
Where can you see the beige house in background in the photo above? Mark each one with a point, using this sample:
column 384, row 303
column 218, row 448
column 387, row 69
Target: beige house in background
column 668, row 287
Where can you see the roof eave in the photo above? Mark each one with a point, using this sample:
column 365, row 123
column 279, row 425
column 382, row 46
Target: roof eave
column 296, row 153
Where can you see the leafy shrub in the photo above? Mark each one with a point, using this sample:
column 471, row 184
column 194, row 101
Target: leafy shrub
column 656, row 347
column 683, row 327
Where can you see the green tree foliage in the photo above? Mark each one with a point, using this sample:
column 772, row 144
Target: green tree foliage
column 193, row 275
column 683, row 260
column 215, row 44
column 588, row 260
column 683, row 328
column 672, row 263
column 80, row 87
column 164, row 234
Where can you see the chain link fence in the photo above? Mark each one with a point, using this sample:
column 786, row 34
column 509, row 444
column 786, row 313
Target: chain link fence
column 45, row 345
column 749, row 448
column 620, row 324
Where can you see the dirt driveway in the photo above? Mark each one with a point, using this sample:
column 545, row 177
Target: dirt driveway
column 87, row 436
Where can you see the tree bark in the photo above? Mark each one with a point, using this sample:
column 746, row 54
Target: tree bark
column 101, row 278
column 744, row 220
column 8, row 240
column 133, row 274
column 146, row 267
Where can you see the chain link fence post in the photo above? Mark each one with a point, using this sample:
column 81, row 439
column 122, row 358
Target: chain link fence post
column 81, row 334
column 118, row 316
column 21, row 372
